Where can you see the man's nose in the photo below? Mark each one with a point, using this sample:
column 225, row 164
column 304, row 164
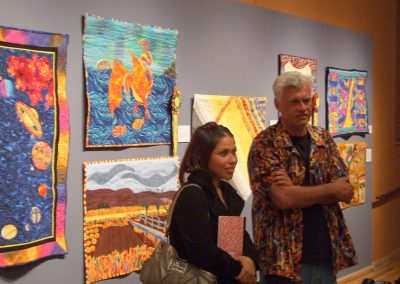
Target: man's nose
column 303, row 105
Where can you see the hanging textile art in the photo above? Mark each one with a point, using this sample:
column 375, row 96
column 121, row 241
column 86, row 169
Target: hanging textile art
column 346, row 102
column 130, row 81
column 244, row 116
column 34, row 138
column 125, row 212
column 307, row 67
column 354, row 155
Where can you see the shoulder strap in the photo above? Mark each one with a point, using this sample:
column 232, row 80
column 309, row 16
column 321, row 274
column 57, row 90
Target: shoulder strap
column 171, row 208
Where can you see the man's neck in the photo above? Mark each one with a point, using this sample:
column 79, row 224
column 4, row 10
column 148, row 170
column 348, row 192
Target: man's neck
column 295, row 131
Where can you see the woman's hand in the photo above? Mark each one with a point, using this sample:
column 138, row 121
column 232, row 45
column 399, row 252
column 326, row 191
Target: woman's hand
column 248, row 273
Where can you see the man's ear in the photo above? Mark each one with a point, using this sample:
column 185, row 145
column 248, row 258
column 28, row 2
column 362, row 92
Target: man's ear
column 276, row 103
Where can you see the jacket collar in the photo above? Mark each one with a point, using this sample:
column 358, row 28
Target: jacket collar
column 204, row 179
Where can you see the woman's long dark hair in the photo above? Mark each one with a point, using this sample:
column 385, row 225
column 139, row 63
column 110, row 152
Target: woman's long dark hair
column 201, row 146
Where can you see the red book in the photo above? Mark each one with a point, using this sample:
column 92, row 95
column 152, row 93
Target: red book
column 231, row 234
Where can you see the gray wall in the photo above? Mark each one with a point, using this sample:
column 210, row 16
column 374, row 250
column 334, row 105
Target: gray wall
column 224, row 48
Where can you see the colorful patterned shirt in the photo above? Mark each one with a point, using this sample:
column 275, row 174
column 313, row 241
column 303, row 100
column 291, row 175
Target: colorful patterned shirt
column 278, row 233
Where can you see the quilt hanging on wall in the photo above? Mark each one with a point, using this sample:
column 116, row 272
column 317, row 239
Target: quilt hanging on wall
column 130, row 80
column 125, row 212
column 346, row 102
column 307, row 67
column 244, row 116
column 354, row 155
column 34, row 138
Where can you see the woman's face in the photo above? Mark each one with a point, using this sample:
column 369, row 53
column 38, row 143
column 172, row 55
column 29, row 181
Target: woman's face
column 223, row 159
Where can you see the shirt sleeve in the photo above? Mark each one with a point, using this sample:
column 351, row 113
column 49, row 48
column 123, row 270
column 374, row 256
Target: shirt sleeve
column 191, row 214
column 262, row 162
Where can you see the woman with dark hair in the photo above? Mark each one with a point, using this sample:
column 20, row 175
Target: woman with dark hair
column 209, row 160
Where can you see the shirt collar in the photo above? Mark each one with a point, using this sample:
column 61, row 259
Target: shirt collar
column 283, row 137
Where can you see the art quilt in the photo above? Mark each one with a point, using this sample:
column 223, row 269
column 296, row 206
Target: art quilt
column 244, row 116
column 130, row 81
column 125, row 213
column 34, row 138
column 354, row 155
column 346, row 102
column 307, row 67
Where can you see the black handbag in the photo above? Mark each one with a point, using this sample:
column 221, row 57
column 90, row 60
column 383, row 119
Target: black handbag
column 165, row 267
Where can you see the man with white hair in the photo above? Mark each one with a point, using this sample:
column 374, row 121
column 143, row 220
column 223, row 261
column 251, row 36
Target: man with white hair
column 298, row 177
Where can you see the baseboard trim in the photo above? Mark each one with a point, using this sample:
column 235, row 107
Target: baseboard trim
column 356, row 274
column 378, row 264
column 395, row 254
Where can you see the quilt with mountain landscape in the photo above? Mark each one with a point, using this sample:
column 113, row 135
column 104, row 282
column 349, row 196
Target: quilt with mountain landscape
column 125, row 212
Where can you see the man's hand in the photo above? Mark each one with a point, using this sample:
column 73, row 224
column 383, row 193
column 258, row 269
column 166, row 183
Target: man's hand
column 281, row 178
column 248, row 273
column 344, row 189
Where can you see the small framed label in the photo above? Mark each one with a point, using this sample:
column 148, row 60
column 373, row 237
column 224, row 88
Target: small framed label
column 368, row 156
column 183, row 133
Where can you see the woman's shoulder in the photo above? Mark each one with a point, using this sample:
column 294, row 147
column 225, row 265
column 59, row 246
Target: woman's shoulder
column 191, row 192
column 192, row 188
column 201, row 177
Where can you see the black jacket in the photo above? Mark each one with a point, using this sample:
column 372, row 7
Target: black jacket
column 194, row 227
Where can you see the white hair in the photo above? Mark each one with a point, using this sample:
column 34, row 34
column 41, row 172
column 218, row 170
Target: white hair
column 290, row 79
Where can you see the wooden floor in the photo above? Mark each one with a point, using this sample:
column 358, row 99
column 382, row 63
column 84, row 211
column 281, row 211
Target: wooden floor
column 386, row 269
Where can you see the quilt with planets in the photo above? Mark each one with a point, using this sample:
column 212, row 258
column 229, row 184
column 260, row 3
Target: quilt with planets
column 130, row 81
column 244, row 116
column 125, row 213
column 34, row 139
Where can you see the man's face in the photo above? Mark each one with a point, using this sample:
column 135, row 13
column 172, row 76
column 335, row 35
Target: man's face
column 295, row 106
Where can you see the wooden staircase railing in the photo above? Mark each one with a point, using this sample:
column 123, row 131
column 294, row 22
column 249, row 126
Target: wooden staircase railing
column 388, row 196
